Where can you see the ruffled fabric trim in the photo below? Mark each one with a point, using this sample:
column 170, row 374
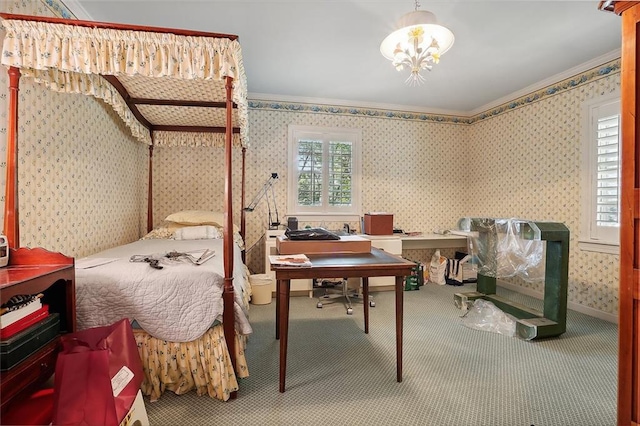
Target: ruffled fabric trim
column 203, row 364
column 70, row 58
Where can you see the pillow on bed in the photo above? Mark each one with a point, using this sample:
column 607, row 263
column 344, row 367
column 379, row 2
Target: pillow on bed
column 162, row 233
column 204, row 232
column 199, row 217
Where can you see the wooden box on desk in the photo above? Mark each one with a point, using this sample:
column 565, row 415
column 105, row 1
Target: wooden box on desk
column 346, row 244
column 378, row 224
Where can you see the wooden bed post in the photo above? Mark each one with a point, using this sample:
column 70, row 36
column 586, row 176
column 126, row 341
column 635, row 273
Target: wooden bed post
column 243, row 229
column 629, row 280
column 11, row 216
column 150, row 189
column 228, row 318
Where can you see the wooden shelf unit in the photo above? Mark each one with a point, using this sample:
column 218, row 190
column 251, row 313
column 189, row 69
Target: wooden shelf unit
column 33, row 271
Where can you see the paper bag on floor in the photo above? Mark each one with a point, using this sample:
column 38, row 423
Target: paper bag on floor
column 437, row 268
column 98, row 375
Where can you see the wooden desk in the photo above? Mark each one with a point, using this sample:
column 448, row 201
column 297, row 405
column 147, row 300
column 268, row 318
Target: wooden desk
column 431, row 241
column 345, row 265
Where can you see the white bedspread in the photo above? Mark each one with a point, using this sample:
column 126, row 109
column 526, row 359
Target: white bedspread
column 177, row 303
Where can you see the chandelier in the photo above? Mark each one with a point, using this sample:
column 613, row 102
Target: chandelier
column 417, row 45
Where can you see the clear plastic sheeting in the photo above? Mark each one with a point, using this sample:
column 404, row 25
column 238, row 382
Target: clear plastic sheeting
column 485, row 316
column 505, row 248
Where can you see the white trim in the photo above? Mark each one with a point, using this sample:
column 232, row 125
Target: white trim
column 78, row 10
column 615, row 54
column 354, row 135
column 586, row 245
column 589, row 239
column 330, row 217
column 346, row 103
column 592, row 312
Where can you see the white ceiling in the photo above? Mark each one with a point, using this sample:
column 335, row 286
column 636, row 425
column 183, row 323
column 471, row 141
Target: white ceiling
column 328, row 50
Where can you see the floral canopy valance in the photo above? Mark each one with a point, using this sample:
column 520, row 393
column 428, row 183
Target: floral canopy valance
column 167, row 86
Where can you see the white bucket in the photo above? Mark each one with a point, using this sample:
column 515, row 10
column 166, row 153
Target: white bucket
column 261, row 288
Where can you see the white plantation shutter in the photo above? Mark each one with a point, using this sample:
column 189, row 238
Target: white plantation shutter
column 607, row 206
column 600, row 221
column 310, row 172
column 324, row 170
column 340, row 173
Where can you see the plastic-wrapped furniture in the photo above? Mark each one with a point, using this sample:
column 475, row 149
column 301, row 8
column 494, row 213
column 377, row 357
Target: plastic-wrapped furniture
column 514, row 247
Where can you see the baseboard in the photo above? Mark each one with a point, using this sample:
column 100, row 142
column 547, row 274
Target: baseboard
column 596, row 313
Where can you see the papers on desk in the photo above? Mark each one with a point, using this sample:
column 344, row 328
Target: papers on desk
column 442, row 231
column 413, row 233
column 455, row 232
column 290, row 260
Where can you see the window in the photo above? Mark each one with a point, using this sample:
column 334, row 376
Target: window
column 324, row 171
column 600, row 222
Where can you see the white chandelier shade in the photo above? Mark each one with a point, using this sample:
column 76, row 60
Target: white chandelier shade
column 417, row 45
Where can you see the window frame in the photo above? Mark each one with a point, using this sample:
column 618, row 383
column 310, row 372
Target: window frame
column 326, row 134
column 592, row 237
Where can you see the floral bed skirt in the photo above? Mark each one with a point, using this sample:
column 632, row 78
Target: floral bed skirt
column 203, row 364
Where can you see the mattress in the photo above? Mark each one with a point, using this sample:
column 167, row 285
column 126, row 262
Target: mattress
column 177, row 302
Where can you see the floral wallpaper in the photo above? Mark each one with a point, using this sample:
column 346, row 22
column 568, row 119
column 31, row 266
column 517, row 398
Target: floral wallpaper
column 530, row 168
column 83, row 179
column 192, row 178
column 407, row 167
column 521, row 159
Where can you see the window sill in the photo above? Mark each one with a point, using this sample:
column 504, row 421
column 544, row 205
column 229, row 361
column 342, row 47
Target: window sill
column 328, row 217
column 599, row 247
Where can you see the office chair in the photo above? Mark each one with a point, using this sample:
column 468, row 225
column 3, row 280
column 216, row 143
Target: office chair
column 334, row 289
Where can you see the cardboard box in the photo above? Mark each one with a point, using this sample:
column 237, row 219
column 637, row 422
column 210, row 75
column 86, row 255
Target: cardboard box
column 346, row 244
column 378, row 224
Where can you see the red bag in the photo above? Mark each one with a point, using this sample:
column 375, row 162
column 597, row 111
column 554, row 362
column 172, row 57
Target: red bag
column 98, row 374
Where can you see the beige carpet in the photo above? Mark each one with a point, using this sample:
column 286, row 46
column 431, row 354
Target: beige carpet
column 453, row 375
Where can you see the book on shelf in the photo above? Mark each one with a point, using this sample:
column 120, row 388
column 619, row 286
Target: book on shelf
column 290, row 260
column 25, row 322
column 14, row 315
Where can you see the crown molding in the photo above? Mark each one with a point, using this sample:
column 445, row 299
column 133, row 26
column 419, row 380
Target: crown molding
column 76, row 9
column 353, row 104
column 589, row 71
column 572, row 72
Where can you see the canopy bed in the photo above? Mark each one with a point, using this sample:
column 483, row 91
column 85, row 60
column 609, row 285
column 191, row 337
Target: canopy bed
column 171, row 88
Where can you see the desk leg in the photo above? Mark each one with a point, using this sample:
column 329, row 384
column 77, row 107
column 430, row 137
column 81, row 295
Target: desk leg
column 365, row 300
column 283, row 315
column 277, row 309
column 399, row 322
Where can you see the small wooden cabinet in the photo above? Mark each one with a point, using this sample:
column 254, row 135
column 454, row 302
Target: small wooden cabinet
column 33, row 271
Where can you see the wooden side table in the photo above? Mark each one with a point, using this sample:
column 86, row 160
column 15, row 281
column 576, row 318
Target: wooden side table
column 33, row 271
